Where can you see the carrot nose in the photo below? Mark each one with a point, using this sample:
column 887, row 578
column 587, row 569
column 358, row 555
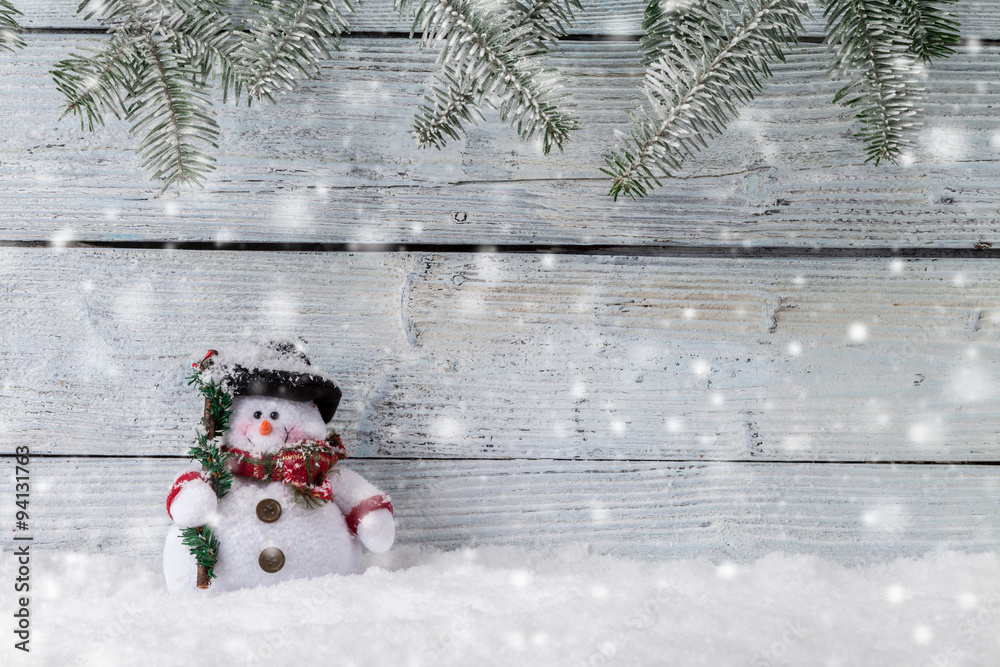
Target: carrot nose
column 265, row 427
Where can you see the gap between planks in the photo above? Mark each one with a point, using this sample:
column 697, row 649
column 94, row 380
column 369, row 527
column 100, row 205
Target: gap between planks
column 470, row 459
column 418, row 36
column 614, row 19
column 980, row 251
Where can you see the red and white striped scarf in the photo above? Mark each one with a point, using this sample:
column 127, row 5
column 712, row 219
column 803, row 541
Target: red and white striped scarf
column 305, row 466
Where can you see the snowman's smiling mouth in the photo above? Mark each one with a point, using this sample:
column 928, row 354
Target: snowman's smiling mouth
column 253, row 444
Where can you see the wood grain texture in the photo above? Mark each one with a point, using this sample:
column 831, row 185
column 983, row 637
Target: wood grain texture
column 337, row 164
column 97, row 345
column 482, row 356
column 727, row 512
column 979, row 18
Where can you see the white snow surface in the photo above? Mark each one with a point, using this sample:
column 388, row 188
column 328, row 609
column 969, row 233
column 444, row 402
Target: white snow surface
column 512, row 606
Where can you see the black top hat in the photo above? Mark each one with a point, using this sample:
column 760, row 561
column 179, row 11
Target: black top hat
column 286, row 381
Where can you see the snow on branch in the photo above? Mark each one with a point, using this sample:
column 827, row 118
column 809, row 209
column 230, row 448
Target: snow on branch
column 9, row 39
column 713, row 59
column 932, row 31
column 288, row 41
column 493, row 47
column 868, row 45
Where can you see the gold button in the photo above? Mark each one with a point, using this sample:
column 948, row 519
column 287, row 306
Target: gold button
column 271, row 559
column 268, row 510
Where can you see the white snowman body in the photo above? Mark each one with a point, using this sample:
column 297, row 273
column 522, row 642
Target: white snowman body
column 312, row 541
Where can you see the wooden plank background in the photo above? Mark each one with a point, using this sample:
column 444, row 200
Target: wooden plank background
column 788, row 173
column 979, row 18
column 653, row 406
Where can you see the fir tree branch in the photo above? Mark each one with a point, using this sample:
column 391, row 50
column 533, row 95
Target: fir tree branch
column 488, row 44
column 202, row 29
column 199, row 29
column 667, row 20
column 204, row 546
column 287, row 42
column 931, row 30
column 453, row 98
column 548, row 20
column 868, row 46
column 154, row 71
column 695, row 87
column 172, row 107
column 9, row 27
column 94, row 84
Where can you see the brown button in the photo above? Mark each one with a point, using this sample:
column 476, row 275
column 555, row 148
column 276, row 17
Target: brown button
column 268, row 510
column 271, row 559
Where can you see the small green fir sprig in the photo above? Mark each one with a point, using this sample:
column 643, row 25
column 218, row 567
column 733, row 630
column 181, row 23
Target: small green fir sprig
column 204, row 546
column 207, row 453
column 456, row 96
column 868, row 45
column 715, row 60
column 220, row 401
column 929, row 28
column 204, row 450
column 488, row 43
column 9, row 27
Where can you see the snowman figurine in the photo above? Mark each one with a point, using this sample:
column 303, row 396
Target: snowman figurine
column 291, row 512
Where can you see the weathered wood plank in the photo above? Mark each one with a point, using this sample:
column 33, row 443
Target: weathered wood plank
column 96, row 345
column 571, row 357
column 979, row 18
column 519, row 356
column 338, row 165
column 739, row 512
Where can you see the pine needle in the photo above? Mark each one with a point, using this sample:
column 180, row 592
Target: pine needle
column 868, row 45
column 714, row 62
column 287, row 42
column 931, row 30
column 491, row 48
column 9, row 27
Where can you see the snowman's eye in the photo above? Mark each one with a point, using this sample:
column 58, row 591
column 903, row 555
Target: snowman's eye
column 257, row 414
column 274, row 415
